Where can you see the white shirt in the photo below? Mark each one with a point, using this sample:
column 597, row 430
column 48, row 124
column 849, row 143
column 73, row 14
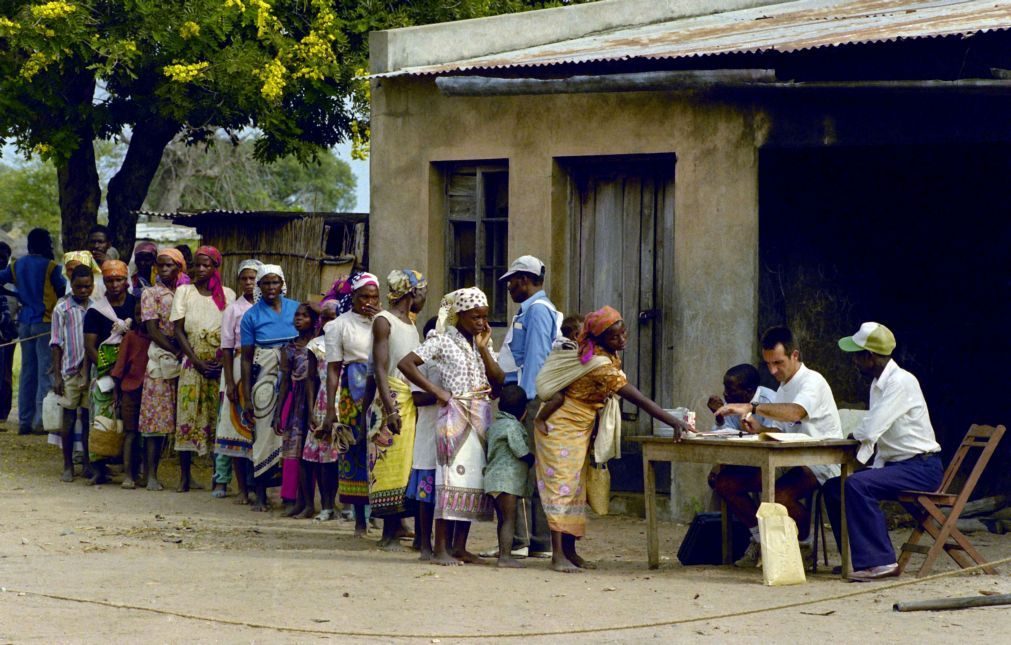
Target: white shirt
column 811, row 391
column 348, row 338
column 428, row 418
column 897, row 421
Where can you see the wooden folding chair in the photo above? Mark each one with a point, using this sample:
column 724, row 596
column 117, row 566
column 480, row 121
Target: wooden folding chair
column 927, row 508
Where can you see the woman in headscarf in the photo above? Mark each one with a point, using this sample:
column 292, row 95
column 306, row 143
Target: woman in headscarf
column 145, row 254
column 461, row 349
column 107, row 321
column 265, row 329
column 74, row 258
column 591, row 380
column 233, row 441
column 392, row 417
column 158, row 397
column 197, row 311
column 342, row 357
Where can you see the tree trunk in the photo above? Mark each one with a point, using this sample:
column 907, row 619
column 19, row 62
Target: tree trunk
column 128, row 187
column 77, row 176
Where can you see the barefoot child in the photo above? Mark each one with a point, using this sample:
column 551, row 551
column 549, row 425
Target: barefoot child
column 128, row 372
column 421, row 487
column 509, row 461
column 70, row 364
column 291, row 416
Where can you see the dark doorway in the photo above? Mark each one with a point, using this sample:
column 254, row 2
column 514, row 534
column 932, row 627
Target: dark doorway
column 915, row 237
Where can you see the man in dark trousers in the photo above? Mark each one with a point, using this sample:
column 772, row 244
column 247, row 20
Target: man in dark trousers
column 897, row 426
column 40, row 283
column 527, row 345
column 8, row 334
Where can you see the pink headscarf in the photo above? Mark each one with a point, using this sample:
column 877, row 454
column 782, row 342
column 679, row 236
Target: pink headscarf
column 180, row 261
column 214, row 283
column 594, row 325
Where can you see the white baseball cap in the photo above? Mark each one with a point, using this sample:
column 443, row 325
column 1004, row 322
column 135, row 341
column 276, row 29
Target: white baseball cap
column 873, row 337
column 524, row 264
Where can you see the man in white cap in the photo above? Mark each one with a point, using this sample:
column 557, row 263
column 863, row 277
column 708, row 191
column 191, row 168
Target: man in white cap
column 527, row 345
column 908, row 455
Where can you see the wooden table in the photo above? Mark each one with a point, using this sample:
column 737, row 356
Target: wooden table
column 765, row 455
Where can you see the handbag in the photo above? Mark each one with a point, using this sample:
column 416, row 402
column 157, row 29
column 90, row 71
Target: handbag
column 598, row 488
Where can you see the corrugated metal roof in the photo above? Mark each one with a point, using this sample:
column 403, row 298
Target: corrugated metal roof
column 787, row 27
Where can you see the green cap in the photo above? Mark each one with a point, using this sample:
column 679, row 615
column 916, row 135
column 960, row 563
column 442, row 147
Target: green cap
column 872, row 337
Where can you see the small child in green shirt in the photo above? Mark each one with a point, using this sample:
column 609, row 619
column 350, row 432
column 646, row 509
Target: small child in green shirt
column 508, row 464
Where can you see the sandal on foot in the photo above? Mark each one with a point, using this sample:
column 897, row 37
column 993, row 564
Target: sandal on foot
column 324, row 516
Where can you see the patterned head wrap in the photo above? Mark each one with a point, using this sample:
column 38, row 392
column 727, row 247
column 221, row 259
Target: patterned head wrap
column 248, row 264
column 114, row 269
column 263, row 272
column 214, row 284
column 363, row 280
column 82, row 257
column 176, row 256
column 458, row 301
column 594, row 325
column 403, row 281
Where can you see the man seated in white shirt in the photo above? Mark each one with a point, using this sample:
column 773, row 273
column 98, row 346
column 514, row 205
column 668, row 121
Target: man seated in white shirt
column 803, row 403
column 908, row 456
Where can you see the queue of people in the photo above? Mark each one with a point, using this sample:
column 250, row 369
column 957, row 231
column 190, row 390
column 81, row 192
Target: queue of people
column 346, row 397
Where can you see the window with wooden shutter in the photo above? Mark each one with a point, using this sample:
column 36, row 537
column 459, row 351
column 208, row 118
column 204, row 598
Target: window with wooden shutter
column 477, row 217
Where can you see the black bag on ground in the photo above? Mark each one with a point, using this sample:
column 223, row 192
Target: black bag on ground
column 703, row 543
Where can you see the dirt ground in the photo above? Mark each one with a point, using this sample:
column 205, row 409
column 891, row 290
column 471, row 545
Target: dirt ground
column 293, row 580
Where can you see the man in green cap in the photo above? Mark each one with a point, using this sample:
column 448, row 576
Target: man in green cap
column 907, row 457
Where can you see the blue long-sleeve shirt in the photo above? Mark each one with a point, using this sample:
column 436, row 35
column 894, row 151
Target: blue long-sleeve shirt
column 40, row 284
column 533, row 330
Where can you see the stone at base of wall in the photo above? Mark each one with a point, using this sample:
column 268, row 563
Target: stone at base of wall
column 634, row 505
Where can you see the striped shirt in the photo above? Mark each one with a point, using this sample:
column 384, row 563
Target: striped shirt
column 68, row 333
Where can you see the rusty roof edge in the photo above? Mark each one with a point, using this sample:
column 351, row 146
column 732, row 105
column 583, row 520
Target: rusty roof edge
column 796, row 18
column 393, row 51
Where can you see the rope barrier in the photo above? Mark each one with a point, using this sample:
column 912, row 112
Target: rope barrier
column 21, row 340
column 866, row 589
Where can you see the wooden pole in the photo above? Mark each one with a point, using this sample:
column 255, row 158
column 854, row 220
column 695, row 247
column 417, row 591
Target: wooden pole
column 726, row 80
column 953, row 603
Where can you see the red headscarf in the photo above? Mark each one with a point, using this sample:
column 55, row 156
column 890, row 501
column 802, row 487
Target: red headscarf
column 214, row 283
column 594, row 325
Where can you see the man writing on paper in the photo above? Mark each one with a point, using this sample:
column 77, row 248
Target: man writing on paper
column 803, row 403
column 908, row 456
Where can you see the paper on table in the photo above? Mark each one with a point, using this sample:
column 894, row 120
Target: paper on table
column 786, row 437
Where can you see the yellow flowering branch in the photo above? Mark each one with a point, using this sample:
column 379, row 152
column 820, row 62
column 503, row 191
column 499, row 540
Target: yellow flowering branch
column 183, row 72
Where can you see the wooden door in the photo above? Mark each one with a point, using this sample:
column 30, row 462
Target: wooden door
column 622, row 239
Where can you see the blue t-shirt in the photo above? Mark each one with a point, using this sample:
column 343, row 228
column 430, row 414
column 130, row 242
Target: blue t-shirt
column 263, row 327
column 40, row 284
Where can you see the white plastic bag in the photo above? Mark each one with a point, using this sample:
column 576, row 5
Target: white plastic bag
column 781, row 560
column 52, row 413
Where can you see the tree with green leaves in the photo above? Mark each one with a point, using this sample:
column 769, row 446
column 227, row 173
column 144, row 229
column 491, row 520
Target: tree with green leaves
column 226, row 175
column 28, row 197
column 73, row 72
